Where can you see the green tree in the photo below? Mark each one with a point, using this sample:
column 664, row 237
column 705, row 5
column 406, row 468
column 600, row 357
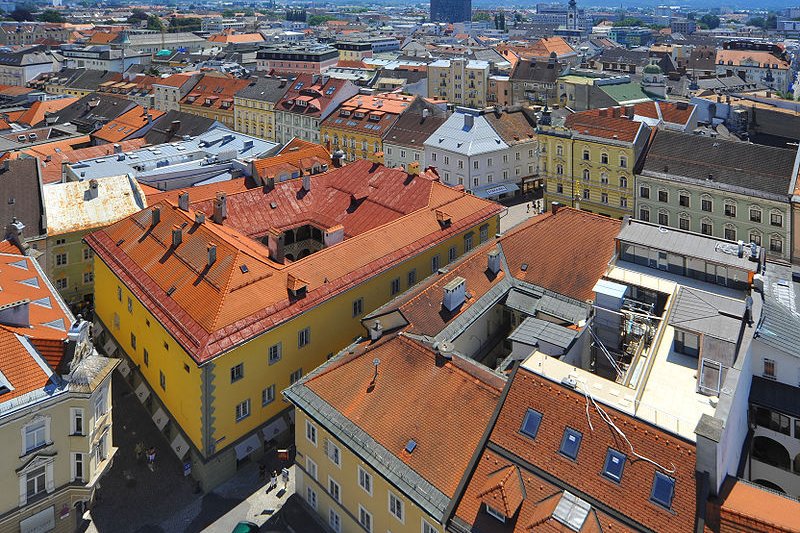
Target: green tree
column 228, row 13
column 319, row 20
column 481, row 16
column 627, row 21
column 711, row 21
column 22, row 14
column 154, row 23
column 758, row 22
column 51, row 15
column 137, row 15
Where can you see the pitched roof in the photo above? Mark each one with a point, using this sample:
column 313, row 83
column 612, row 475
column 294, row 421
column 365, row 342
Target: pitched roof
column 743, row 166
column 319, row 93
column 21, row 196
column 175, row 125
column 52, row 155
column 236, row 38
column 748, row 507
column 209, row 310
column 573, row 249
column 548, row 45
column 370, row 114
column 763, row 58
column 84, row 205
column 542, row 71
column 455, row 135
column 443, row 408
column 605, row 123
column 127, row 125
column 213, row 90
column 647, row 451
column 298, row 156
column 265, row 89
column 514, row 125
column 37, row 111
column 412, row 128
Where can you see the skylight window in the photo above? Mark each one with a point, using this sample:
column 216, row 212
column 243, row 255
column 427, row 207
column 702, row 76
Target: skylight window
column 571, row 443
column 530, row 425
column 615, row 464
column 411, row 446
column 663, row 490
column 298, row 86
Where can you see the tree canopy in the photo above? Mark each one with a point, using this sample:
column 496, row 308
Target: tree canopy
column 51, row 15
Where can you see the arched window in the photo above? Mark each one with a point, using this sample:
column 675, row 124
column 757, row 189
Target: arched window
column 586, row 174
column 623, row 161
column 684, row 221
column 586, row 156
column 755, row 214
column 754, row 236
column 730, row 232
column 604, row 178
column 559, row 150
column 770, row 451
column 730, row 208
column 559, row 170
column 776, row 243
column 706, row 226
column 623, row 182
column 769, row 485
column 604, row 158
column 663, row 217
column 644, row 213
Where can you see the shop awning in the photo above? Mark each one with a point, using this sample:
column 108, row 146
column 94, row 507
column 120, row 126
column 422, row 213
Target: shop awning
column 275, row 428
column 160, row 418
column 142, row 392
column 179, row 446
column 247, row 446
column 124, row 368
column 488, row 191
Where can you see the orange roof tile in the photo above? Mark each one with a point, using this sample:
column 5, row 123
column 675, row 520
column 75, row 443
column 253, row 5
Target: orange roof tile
column 444, row 408
column 127, row 124
column 605, row 123
column 236, row 38
column 213, row 313
column 504, row 490
column 747, row 507
column 36, row 113
column 299, row 156
column 547, row 45
column 573, row 251
column 213, row 89
column 19, row 367
column 762, row 57
column 175, row 80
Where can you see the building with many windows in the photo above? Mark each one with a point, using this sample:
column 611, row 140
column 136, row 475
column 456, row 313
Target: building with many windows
column 492, row 153
column 403, row 143
column 254, row 107
column 309, row 100
column 213, row 97
column 460, row 81
column 451, row 10
column 296, row 58
column 728, row 189
column 360, row 124
column 257, row 287
column 55, row 405
column 589, row 163
column 761, row 63
column 75, row 209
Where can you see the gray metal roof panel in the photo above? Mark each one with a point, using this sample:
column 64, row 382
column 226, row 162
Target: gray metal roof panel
column 532, row 330
column 454, row 136
column 779, row 326
column 707, row 313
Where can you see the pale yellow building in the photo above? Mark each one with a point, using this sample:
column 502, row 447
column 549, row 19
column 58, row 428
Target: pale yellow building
column 254, row 107
column 55, row 406
column 459, row 81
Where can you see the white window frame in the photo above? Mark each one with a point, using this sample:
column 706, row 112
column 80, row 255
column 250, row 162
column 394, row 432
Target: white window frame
column 426, row 527
column 393, row 498
column 76, row 413
column 362, row 512
column 333, row 452
column 311, row 497
column 244, row 412
column 278, row 347
column 311, row 433
column 75, row 458
column 336, row 524
column 268, row 395
column 34, row 426
column 311, row 468
column 333, row 483
column 491, row 511
column 364, row 475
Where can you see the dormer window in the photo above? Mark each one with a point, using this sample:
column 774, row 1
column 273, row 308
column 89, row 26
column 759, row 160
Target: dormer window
column 302, row 103
column 496, row 514
column 358, row 114
column 344, row 113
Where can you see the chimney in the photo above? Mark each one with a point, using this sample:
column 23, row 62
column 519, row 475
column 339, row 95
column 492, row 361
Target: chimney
column 413, row 168
column 14, row 233
column 455, row 293
column 554, row 206
column 212, row 254
column 337, row 158
column 494, row 262
column 425, row 113
column 177, row 236
column 183, row 201
column 93, row 188
column 199, row 217
column 174, row 126
column 469, row 121
column 220, row 208
column 275, row 245
column 375, row 330
column 156, row 212
column 117, row 148
column 333, row 235
column 306, row 182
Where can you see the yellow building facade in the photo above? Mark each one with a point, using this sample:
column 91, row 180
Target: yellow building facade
column 254, row 117
column 589, row 171
column 226, row 406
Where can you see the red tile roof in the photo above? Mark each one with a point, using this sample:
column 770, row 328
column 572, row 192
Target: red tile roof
column 370, row 115
column 746, row 507
column 573, row 249
column 213, row 90
column 214, row 312
column 19, row 367
column 562, row 407
column 317, row 100
column 127, row 124
column 604, row 123
column 36, row 113
column 671, row 112
column 444, row 408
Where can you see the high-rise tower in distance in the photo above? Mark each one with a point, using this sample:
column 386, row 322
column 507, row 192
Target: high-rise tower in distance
column 451, row 10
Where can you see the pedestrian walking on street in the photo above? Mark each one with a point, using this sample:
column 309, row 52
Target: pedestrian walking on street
column 529, row 208
column 151, row 458
column 139, row 449
column 274, row 481
column 285, row 475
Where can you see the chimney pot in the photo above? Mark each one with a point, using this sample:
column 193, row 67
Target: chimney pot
column 306, row 182
column 177, row 236
column 212, row 254
column 554, row 207
column 156, row 212
column 376, row 330
column 220, row 208
column 183, row 201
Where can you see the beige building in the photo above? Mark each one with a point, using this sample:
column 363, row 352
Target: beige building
column 459, row 81
column 55, row 405
column 168, row 92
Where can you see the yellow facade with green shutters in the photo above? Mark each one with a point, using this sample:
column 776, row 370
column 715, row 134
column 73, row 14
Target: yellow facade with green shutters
column 202, row 399
column 590, row 173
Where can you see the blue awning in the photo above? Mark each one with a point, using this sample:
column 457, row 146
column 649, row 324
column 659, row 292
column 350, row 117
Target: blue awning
column 487, row 191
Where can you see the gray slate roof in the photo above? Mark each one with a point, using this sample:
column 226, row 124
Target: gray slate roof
column 532, row 330
column 265, row 90
column 780, row 317
column 742, row 166
column 707, row 313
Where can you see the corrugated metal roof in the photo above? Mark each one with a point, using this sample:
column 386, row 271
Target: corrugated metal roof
column 532, row 330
